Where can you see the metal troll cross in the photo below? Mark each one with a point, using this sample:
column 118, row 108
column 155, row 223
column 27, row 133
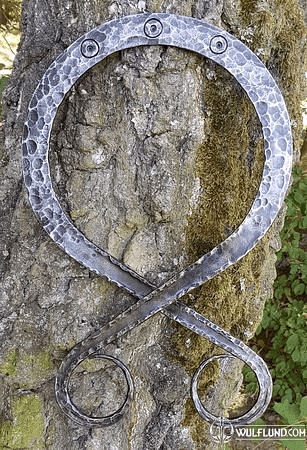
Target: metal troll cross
column 248, row 70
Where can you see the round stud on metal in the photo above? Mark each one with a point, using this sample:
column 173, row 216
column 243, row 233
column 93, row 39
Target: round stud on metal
column 218, row 44
column 89, row 48
column 153, row 28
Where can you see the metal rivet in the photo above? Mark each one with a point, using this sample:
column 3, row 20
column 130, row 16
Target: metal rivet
column 89, row 48
column 218, row 44
column 153, row 28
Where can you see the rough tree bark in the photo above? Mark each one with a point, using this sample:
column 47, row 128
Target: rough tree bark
column 156, row 156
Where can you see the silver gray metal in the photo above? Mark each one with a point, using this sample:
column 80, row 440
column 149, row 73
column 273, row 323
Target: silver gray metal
column 243, row 64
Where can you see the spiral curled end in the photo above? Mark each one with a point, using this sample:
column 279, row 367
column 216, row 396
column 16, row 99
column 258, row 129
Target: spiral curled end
column 76, row 415
column 264, row 396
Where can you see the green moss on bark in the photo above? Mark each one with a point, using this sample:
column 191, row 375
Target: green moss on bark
column 229, row 165
column 27, row 429
column 9, row 368
column 27, row 370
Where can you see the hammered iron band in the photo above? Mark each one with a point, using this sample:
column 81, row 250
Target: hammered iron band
column 227, row 51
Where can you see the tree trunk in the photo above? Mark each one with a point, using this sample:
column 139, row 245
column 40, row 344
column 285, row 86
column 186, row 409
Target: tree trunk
column 156, row 156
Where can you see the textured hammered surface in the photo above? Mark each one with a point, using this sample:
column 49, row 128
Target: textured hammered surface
column 224, row 49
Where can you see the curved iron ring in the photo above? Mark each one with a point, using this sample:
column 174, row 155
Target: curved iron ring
column 243, row 64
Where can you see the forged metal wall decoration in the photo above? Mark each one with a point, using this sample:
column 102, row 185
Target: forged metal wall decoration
column 234, row 56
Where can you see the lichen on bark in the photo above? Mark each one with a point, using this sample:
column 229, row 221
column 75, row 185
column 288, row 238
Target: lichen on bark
column 156, row 156
column 27, row 430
